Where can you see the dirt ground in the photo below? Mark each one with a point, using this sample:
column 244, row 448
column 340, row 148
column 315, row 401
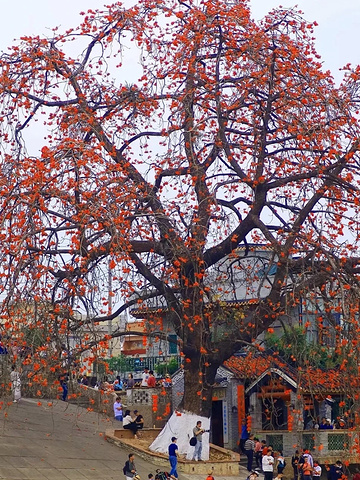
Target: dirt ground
column 214, row 456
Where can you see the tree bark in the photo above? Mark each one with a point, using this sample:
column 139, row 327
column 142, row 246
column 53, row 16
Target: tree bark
column 199, row 380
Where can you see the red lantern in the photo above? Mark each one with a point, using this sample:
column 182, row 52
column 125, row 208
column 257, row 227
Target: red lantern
column 155, row 403
column 248, row 423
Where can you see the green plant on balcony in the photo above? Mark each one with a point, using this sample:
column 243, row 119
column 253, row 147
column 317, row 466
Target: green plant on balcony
column 118, row 364
column 170, row 367
column 296, row 349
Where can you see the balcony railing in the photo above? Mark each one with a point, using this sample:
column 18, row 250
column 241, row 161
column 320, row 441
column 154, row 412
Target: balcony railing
column 124, row 365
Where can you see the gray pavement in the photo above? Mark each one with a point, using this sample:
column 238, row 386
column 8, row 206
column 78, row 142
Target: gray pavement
column 62, row 442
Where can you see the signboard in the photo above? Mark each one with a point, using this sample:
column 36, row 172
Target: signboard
column 218, row 393
column 241, row 405
column 225, row 422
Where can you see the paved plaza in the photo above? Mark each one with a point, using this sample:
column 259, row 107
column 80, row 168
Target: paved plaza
column 61, row 441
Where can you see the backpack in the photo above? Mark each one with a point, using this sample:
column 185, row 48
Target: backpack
column 193, row 441
column 126, row 467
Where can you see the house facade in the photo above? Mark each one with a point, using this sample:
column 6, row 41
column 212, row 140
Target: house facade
column 280, row 407
column 278, row 401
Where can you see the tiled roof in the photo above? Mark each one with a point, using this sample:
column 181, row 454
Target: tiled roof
column 161, row 311
column 252, row 367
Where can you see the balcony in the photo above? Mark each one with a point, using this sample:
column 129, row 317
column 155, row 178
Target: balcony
column 123, row 365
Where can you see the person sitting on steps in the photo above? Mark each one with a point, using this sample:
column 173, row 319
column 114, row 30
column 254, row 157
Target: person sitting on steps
column 129, row 423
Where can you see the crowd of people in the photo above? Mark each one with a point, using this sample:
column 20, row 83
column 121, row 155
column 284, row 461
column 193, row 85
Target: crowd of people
column 328, row 424
column 306, row 468
column 173, row 455
column 136, row 423
column 133, row 422
column 148, row 380
column 272, row 463
column 173, row 450
column 130, row 471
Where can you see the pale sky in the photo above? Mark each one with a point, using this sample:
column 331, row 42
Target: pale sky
column 337, row 34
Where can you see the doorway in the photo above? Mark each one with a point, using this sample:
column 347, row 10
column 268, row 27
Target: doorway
column 217, row 432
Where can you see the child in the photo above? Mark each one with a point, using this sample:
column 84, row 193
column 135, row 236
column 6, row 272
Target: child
column 279, row 476
column 316, row 470
column 151, row 476
column 253, row 475
column 280, row 462
column 210, row 476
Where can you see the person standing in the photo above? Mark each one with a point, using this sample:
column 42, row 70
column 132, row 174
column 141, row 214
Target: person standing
column 249, row 451
column 145, row 377
column 151, row 381
column 130, row 381
column 118, row 410
column 198, row 432
column 295, row 464
column 316, row 470
column 301, row 463
column 258, row 452
column 328, row 471
column 280, row 462
column 268, row 465
column 307, row 469
column 129, row 467
column 173, row 457
column 244, row 435
column 336, row 471
column 308, row 457
column 64, row 386
column 15, row 384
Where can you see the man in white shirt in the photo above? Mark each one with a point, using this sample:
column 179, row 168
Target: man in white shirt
column 268, row 465
column 308, row 457
column 316, row 470
column 144, row 377
column 118, row 411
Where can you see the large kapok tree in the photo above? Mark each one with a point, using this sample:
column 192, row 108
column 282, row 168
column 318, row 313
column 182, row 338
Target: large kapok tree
column 232, row 135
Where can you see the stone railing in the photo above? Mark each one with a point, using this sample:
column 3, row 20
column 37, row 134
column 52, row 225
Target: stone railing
column 153, row 403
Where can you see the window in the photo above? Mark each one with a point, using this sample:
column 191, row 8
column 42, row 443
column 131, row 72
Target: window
column 173, row 349
column 266, row 270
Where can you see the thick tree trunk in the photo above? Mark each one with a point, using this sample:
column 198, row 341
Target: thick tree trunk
column 198, row 381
